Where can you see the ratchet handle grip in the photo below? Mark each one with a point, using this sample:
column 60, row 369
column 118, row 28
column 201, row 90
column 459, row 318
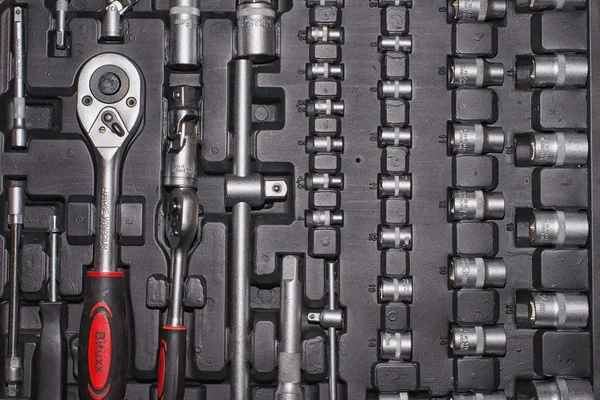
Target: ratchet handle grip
column 171, row 363
column 52, row 351
column 103, row 338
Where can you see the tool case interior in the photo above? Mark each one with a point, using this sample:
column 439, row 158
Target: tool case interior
column 405, row 164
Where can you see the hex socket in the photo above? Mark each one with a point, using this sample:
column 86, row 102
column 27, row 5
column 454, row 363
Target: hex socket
column 561, row 389
column 395, row 346
column 399, row 237
column 477, row 273
column 325, row 107
column 476, row 205
column 394, row 136
column 558, row 229
column 316, row 218
column 544, row 5
column 394, row 396
column 336, row 3
column 394, row 3
column 478, row 341
column 558, row 70
column 394, row 43
column 184, row 21
column 554, row 310
column 394, row 90
column 478, row 396
column 394, row 290
column 477, row 10
column 475, row 139
column 316, row 34
column 256, row 23
column 395, row 186
column 327, row 144
column 323, row 181
column 324, row 70
column 557, row 149
column 475, row 73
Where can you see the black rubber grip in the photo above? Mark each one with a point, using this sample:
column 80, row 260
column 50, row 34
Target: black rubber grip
column 52, row 352
column 103, row 338
column 171, row 363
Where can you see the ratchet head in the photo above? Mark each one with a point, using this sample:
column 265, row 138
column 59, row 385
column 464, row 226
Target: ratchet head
column 110, row 100
column 182, row 218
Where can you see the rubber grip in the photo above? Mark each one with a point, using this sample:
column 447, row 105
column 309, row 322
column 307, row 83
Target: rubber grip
column 103, row 338
column 171, row 363
column 52, row 352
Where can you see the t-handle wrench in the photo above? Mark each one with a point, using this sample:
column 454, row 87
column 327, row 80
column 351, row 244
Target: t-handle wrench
column 181, row 230
column 110, row 100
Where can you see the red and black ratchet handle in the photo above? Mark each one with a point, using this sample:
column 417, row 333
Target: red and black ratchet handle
column 171, row 363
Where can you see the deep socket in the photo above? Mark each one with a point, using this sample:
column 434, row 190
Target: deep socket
column 395, row 346
column 476, row 205
column 560, row 389
column 478, row 341
column 552, row 310
column 395, row 186
column 394, row 43
column 477, row 10
column 475, row 139
column 316, row 34
column 395, row 290
column 557, row 70
column 314, row 218
column 558, row 229
column 394, row 136
column 478, row 396
column 398, row 237
column 324, row 70
column 324, row 107
column 256, row 36
column 394, row 90
column 477, row 273
column 475, row 73
column 543, row 5
column 323, row 181
column 327, row 144
column 184, row 21
column 554, row 149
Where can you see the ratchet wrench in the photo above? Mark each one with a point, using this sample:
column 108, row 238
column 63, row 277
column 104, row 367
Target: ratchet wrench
column 110, row 102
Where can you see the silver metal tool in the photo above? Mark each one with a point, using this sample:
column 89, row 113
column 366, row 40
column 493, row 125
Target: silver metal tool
column 314, row 218
column 13, row 367
column 398, row 237
column 474, row 72
column 561, row 389
column 395, row 3
column 256, row 23
column 332, row 319
column 478, row 341
column 19, row 131
column 394, row 136
column 181, row 162
column 478, row 396
column 110, row 103
column 544, row 5
column 323, row 181
column 477, row 10
column 316, row 34
column 62, row 29
column 477, row 273
column 394, row 43
column 555, row 310
column 395, row 346
column 558, row 149
column 327, row 144
column 475, row 139
column 324, row 70
column 290, row 353
column 111, row 24
column 395, row 290
column 324, row 107
column 557, row 70
column 394, row 396
column 184, row 23
column 395, row 186
column 336, row 3
column 394, row 90
column 558, row 228
column 476, row 205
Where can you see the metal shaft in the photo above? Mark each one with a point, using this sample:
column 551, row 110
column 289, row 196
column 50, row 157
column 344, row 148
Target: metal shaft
column 18, row 134
column 331, row 265
column 107, row 192
column 61, row 23
column 15, row 262
column 241, row 228
column 178, row 269
column 54, row 258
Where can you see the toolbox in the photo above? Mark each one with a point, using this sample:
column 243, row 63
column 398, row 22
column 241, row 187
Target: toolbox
column 299, row 199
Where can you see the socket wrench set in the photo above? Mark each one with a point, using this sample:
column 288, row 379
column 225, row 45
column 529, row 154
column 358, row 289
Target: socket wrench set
column 299, row 199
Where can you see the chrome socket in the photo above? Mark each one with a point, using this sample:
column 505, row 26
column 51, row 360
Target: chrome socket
column 316, row 34
column 561, row 389
column 394, row 3
column 394, row 136
column 558, row 229
column 478, row 396
column 477, row 273
column 477, row 10
column 316, row 218
column 327, row 144
column 256, row 36
column 324, row 107
column 314, row 3
column 476, row 205
column 475, row 73
column 395, row 186
column 558, row 70
column 552, row 310
column 475, row 139
column 558, row 149
column 395, row 346
column 394, row 90
column 478, row 341
column 399, row 237
column 184, row 23
column 394, row 43
column 324, row 70
column 395, row 290
column 544, row 5
column 323, row 181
